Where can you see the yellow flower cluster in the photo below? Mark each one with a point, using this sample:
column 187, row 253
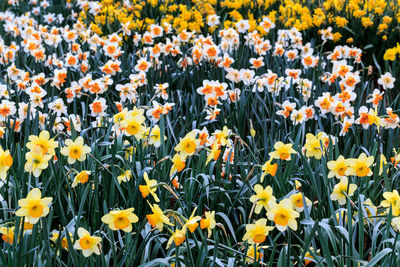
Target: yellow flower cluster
column 378, row 16
column 391, row 53
column 188, row 19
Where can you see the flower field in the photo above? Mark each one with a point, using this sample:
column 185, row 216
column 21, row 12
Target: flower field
column 199, row 133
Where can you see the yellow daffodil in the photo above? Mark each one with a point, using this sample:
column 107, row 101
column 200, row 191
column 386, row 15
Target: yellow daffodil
column 257, row 232
column 87, row 243
column 298, row 203
column 119, row 118
column 128, row 149
column 149, row 188
column 178, row 237
column 81, row 177
column 262, row 197
column 55, row 235
column 155, row 136
column 283, row 214
column 36, row 161
column 341, row 217
column 268, row 168
column 337, row 167
column 7, row 234
column 373, row 118
column 343, row 189
column 370, row 208
column 192, row 222
column 214, row 154
column 360, row 166
column 157, row 219
column 313, row 146
column 125, row 176
column 6, row 161
column 120, row 219
column 135, row 123
column 396, row 223
column 382, row 163
column 179, row 163
column 391, row 199
column 75, row 150
column 371, row 211
column 187, row 146
column 208, row 222
column 253, row 254
column 27, row 225
column 43, row 141
column 33, row 207
column 221, row 137
column 308, row 258
column 282, row 151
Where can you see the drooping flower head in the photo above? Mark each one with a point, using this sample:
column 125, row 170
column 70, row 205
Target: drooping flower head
column 149, row 188
column 157, row 219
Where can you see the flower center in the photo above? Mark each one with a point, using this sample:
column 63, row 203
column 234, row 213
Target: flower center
column 43, row 147
column 7, row 161
column 342, row 170
column 259, row 238
column 83, row 178
column 121, row 222
column 281, row 219
column 84, row 243
column 132, row 129
column 75, row 153
column 362, row 171
column 284, row 155
column 190, row 147
column 97, row 107
column 36, row 162
column 64, row 243
column 36, row 210
column 178, row 239
column 8, row 238
column 299, row 202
